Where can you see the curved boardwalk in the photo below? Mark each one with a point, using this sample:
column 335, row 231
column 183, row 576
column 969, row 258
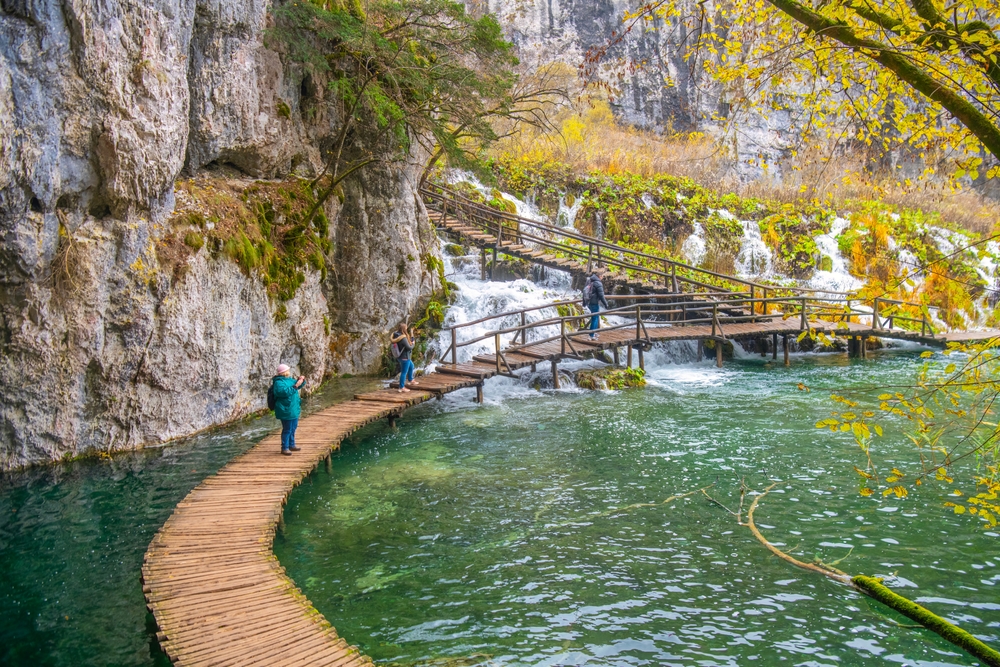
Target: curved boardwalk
column 213, row 584
column 216, row 590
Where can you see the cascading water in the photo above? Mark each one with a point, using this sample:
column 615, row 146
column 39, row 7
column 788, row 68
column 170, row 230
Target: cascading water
column 837, row 278
column 566, row 215
column 693, row 248
column 755, row 258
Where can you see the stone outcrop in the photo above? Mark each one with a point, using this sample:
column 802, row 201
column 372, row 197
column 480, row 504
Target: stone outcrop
column 668, row 92
column 102, row 108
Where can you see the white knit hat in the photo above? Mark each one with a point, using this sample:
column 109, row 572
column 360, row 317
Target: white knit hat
column 283, row 369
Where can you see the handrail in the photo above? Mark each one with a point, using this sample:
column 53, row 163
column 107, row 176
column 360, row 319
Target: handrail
column 486, row 217
column 582, row 238
column 491, row 214
column 660, row 309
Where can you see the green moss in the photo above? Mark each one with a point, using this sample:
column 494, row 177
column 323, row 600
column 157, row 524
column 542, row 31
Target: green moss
column 454, row 250
column 284, row 110
column 264, row 228
column 194, row 240
column 929, row 620
column 611, row 378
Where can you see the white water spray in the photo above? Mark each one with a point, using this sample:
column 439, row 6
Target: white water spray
column 838, row 278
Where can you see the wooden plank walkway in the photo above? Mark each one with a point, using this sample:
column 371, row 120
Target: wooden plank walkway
column 214, row 586
column 216, row 590
column 473, row 236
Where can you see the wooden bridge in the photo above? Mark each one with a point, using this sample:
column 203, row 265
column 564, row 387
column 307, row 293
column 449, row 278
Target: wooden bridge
column 210, row 578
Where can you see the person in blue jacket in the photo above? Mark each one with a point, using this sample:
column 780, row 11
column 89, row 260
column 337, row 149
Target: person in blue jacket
column 287, row 405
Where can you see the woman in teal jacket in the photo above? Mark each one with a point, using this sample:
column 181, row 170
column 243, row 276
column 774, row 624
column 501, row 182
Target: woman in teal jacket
column 287, row 406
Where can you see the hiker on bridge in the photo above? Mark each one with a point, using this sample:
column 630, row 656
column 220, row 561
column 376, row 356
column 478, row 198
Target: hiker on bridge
column 402, row 347
column 593, row 298
column 283, row 398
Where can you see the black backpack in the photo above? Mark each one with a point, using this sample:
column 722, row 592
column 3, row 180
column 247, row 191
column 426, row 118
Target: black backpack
column 588, row 293
column 270, row 396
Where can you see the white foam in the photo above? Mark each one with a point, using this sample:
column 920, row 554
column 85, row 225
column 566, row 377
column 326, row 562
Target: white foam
column 693, row 248
column 838, row 278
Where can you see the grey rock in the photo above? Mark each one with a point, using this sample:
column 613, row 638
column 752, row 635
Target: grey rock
column 102, row 108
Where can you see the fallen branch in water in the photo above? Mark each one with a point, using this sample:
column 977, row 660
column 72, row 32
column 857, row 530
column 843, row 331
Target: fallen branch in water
column 874, row 588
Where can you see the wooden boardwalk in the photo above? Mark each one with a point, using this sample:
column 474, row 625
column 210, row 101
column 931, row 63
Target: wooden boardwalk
column 210, row 578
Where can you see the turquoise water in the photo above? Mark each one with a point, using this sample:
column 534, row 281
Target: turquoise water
column 72, row 537
column 505, row 534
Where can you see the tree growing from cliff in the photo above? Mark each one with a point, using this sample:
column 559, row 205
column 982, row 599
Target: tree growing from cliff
column 404, row 73
column 916, row 74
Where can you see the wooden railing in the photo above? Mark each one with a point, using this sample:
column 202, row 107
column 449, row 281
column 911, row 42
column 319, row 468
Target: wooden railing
column 716, row 308
column 676, row 277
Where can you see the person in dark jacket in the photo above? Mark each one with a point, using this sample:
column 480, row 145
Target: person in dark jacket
column 403, row 340
column 596, row 301
column 287, row 405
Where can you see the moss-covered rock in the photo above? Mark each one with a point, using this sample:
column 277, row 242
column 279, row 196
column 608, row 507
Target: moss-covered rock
column 610, row 377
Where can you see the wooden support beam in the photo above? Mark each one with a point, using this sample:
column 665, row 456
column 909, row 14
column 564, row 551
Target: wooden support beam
column 718, row 353
column 762, row 342
column 642, row 361
column 479, row 393
column 629, row 364
column 701, row 350
column 482, row 263
column 774, row 347
column 392, row 422
column 864, row 347
column 784, row 342
column 555, row 374
column 494, row 265
column 328, row 463
column 614, row 351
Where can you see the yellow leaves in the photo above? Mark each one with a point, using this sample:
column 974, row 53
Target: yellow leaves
column 865, row 492
column 891, row 478
column 863, row 473
column 898, row 472
column 900, row 491
column 926, row 355
column 803, row 387
column 959, row 509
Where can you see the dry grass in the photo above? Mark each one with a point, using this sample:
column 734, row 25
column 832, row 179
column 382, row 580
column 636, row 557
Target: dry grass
column 590, row 139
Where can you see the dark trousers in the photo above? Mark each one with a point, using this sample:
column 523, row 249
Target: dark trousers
column 288, row 427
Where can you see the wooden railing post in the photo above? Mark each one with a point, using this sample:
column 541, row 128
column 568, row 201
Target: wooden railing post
column 923, row 324
column 804, row 323
column 666, row 275
column 753, row 302
column 562, row 336
column 638, row 322
column 673, row 276
column 715, row 316
column 454, row 346
column 496, row 345
column 598, row 256
column 875, row 323
column 590, row 260
column 524, row 330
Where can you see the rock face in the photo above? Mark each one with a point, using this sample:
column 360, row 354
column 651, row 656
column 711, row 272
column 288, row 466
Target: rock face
column 102, row 108
column 668, row 93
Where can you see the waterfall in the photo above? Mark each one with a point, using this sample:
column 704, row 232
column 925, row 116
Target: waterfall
column 693, row 248
column 755, row 258
column 838, row 278
column 566, row 215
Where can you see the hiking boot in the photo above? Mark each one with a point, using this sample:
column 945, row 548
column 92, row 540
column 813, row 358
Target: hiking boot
column 286, row 452
column 293, row 448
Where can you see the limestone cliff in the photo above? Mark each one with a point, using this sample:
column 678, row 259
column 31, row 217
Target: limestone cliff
column 667, row 92
column 103, row 107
